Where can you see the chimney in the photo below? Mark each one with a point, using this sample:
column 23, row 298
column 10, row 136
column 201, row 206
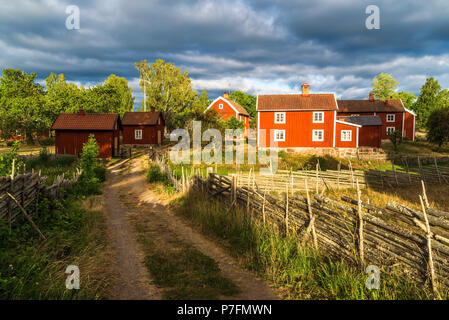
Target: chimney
column 371, row 96
column 226, row 95
column 153, row 109
column 81, row 112
column 305, row 89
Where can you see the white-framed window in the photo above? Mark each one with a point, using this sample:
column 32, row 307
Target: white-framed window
column 346, row 135
column 18, row 133
column 138, row 134
column 279, row 135
column 391, row 130
column 279, row 117
column 220, row 106
column 318, row 117
column 391, row 117
column 317, row 135
column 355, row 115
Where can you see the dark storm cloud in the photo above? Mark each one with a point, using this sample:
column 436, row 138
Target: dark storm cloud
column 258, row 46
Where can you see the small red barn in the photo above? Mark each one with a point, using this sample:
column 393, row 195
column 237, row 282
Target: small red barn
column 73, row 130
column 368, row 130
column 143, row 128
column 393, row 114
column 228, row 108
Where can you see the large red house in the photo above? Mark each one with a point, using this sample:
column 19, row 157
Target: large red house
column 228, row 108
column 304, row 121
column 393, row 114
column 143, row 128
column 73, row 130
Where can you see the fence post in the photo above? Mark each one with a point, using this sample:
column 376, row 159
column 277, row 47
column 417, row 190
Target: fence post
column 359, row 211
column 286, row 208
column 394, row 171
column 429, row 248
column 316, row 177
column 263, row 207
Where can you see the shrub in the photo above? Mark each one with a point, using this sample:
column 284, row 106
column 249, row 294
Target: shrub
column 395, row 138
column 7, row 159
column 44, row 155
column 438, row 127
column 100, row 173
column 10, row 143
column 156, row 175
column 89, row 182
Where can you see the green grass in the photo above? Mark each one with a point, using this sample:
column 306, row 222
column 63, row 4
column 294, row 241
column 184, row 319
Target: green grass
column 31, row 269
column 415, row 148
column 301, row 272
column 184, row 272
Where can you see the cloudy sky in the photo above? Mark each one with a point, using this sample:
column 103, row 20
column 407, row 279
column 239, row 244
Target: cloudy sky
column 259, row 46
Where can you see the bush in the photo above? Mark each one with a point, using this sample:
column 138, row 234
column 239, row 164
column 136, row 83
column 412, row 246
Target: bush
column 46, row 141
column 156, row 175
column 44, row 155
column 89, row 182
column 438, row 127
column 7, row 159
column 100, row 173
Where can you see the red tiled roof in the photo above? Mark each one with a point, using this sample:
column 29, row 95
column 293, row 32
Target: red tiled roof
column 394, row 105
column 87, row 121
column 238, row 107
column 316, row 101
column 140, row 118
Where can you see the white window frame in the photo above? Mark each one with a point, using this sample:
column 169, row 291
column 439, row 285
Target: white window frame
column 322, row 117
column 393, row 115
column 388, row 131
column 355, row 115
column 220, row 106
column 136, row 135
column 343, row 132
column 315, row 138
column 276, row 114
column 276, row 133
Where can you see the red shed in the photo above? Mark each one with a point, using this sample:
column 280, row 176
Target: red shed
column 143, row 128
column 369, row 129
column 73, row 130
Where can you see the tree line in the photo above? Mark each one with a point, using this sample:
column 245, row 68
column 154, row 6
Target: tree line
column 29, row 108
column 431, row 106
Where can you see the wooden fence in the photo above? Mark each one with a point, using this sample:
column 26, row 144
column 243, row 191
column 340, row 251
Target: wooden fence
column 21, row 193
column 341, row 179
column 415, row 242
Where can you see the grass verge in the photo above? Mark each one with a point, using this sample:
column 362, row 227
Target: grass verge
column 76, row 232
column 300, row 272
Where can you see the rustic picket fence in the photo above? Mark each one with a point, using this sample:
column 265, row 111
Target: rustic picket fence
column 341, row 179
column 415, row 242
column 20, row 194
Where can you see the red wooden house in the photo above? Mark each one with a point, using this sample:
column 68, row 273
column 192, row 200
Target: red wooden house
column 304, row 121
column 393, row 114
column 143, row 128
column 228, row 108
column 73, row 130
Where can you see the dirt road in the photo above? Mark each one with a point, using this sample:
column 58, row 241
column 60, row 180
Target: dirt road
column 127, row 196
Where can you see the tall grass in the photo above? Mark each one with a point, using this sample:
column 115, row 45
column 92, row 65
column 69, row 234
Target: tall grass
column 76, row 235
column 301, row 272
